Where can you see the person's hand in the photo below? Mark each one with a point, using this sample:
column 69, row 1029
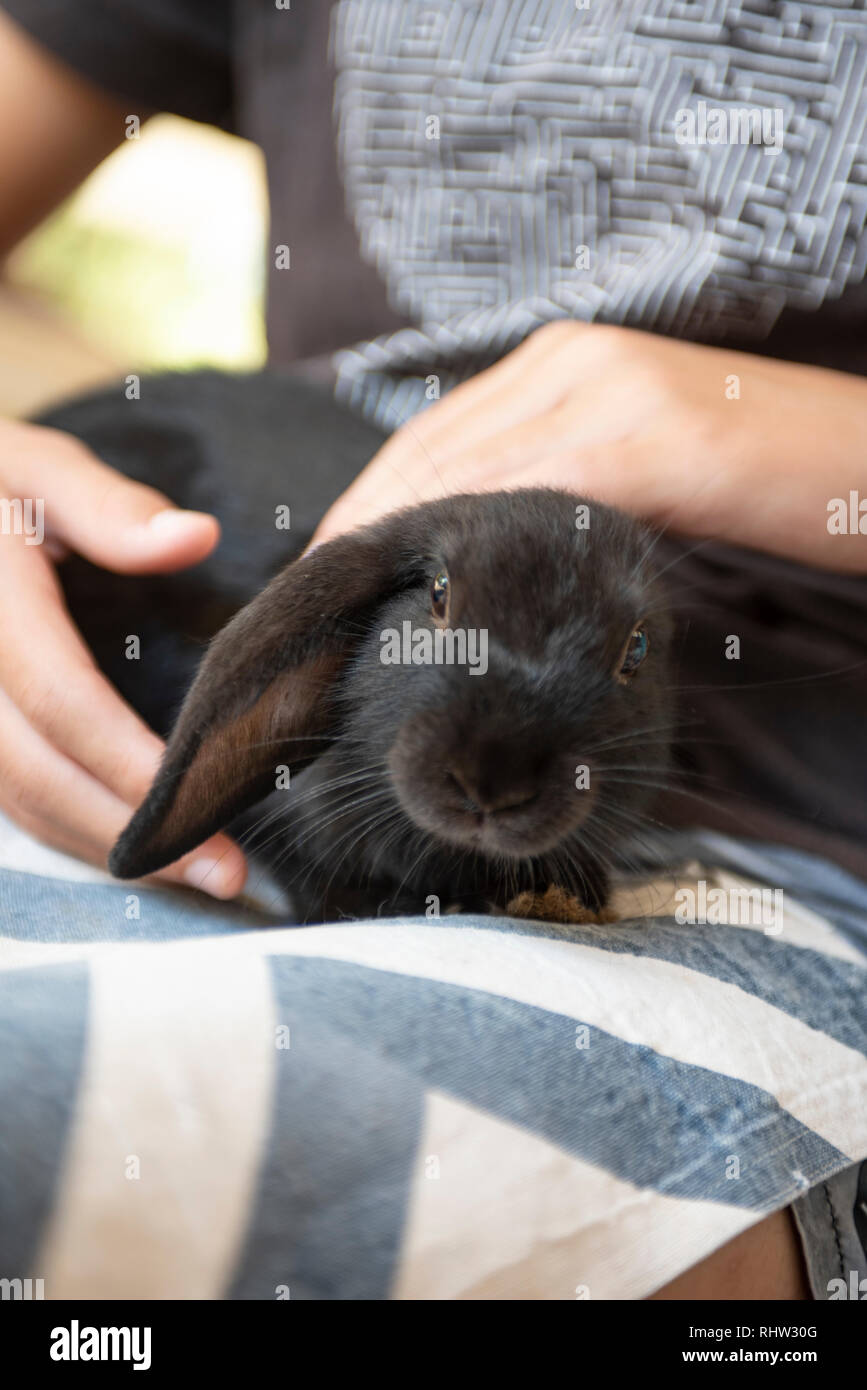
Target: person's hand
column 75, row 760
column 719, row 444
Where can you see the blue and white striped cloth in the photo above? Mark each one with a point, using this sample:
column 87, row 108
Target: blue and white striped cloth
column 198, row 1105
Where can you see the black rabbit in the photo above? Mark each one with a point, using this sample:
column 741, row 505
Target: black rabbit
column 498, row 779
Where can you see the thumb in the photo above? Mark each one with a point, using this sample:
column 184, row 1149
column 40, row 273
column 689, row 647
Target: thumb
column 116, row 523
column 364, row 501
column 387, row 483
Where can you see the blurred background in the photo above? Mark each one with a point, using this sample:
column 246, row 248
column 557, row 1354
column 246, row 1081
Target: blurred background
column 156, row 261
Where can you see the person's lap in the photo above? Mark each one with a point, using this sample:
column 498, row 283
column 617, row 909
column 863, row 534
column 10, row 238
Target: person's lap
column 643, row 1101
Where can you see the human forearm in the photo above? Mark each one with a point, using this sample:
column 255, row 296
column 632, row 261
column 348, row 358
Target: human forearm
column 54, row 129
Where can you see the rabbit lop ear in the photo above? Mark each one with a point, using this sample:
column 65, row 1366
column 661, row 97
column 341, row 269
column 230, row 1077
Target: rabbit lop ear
column 264, row 693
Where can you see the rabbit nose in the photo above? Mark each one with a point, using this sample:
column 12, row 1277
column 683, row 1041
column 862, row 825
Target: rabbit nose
column 483, row 795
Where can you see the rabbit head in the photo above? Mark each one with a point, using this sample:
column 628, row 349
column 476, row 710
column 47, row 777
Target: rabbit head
column 483, row 678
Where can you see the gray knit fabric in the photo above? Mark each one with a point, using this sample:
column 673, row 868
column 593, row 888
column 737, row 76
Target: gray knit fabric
column 708, row 157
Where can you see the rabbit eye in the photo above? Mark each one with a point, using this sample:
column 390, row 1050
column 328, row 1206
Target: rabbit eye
column 636, row 651
column 439, row 595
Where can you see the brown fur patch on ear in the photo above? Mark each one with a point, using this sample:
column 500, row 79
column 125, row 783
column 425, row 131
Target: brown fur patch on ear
column 233, row 765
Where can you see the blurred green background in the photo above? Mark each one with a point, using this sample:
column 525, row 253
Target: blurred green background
column 156, row 261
